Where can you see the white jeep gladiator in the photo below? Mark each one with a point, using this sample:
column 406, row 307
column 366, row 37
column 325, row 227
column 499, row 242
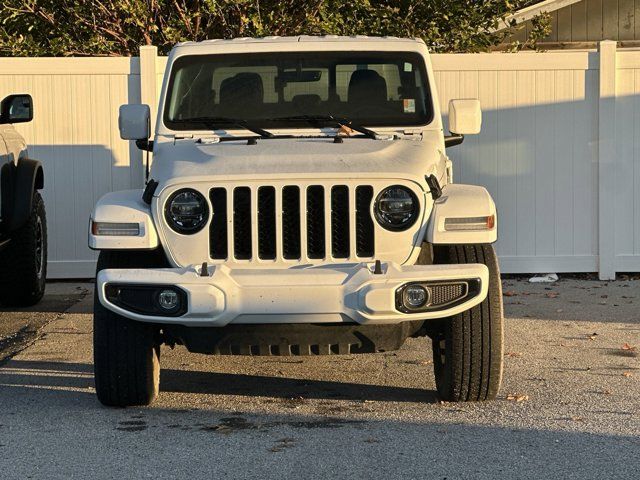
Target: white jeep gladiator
column 300, row 202
column 23, row 223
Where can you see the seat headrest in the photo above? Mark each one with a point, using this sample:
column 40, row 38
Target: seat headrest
column 242, row 91
column 307, row 101
column 366, row 87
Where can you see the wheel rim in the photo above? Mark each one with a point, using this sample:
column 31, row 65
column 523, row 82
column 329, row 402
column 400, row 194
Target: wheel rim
column 39, row 248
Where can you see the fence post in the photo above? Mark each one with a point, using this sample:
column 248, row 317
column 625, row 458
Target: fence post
column 149, row 82
column 606, row 161
column 148, row 79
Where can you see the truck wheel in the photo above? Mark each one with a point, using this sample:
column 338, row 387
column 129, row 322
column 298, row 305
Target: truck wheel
column 467, row 348
column 23, row 263
column 126, row 353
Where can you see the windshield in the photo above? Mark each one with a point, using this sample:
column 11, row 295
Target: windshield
column 276, row 89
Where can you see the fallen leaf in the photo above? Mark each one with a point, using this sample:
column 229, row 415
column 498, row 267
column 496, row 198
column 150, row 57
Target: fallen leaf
column 517, row 397
column 419, row 362
column 287, row 440
column 577, row 419
column 593, row 336
column 627, row 374
column 626, row 346
column 510, row 293
column 371, row 440
column 606, row 392
column 345, row 131
column 513, row 354
column 551, row 295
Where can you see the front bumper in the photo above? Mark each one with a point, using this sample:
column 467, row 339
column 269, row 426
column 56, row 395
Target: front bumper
column 319, row 294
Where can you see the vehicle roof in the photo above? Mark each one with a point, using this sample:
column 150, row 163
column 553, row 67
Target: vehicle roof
column 298, row 39
column 302, row 43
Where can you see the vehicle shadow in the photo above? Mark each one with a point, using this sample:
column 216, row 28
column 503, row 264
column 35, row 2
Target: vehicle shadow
column 50, row 408
column 289, row 388
column 60, row 375
column 59, row 296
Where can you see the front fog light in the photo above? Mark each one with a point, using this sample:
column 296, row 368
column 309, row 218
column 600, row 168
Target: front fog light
column 168, row 299
column 414, row 297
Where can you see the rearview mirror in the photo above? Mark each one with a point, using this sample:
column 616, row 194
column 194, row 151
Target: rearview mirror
column 465, row 117
column 16, row 109
column 134, row 122
column 295, row 76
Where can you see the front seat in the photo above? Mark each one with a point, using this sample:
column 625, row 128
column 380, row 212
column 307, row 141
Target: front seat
column 366, row 88
column 241, row 95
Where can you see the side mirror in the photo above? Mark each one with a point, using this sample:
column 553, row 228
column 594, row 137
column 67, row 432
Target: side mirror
column 134, row 122
column 16, row 109
column 465, row 117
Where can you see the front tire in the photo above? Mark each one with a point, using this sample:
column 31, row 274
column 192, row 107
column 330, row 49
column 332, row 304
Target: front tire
column 468, row 347
column 126, row 353
column 23, row 263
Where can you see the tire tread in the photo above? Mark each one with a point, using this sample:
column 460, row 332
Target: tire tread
column 126, row 353
column 472, row 370
column 20, row 285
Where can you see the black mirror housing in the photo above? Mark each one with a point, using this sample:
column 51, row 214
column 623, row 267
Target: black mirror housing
column 16, row 109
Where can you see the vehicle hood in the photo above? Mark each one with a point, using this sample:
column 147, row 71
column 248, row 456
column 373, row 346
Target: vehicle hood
column 187, row 160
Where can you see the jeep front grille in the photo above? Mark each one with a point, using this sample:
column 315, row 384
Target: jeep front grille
column 324, row 228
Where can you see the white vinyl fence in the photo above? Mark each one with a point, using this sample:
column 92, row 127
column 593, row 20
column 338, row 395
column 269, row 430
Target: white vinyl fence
column 559, row 149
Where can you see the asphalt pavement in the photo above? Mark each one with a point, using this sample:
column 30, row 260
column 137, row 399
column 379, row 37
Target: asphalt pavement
column 569, row 406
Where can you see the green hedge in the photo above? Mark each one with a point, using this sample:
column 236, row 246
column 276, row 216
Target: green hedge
column 119, row 27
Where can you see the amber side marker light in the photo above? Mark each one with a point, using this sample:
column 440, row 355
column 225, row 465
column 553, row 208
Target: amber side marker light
column 470, row 223
column 110, row 229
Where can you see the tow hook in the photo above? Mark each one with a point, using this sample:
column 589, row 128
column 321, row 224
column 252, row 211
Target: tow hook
column 377, row 269
column 204, row 270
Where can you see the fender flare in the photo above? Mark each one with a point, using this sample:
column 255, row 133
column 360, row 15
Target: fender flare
column 125, row 206
column 19, row 182
column 462, row 201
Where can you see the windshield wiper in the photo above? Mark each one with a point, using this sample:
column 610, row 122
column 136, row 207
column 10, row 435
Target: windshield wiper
column 339, row 121
column 212, row 122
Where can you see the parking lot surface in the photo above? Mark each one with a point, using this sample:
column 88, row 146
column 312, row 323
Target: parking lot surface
column 569, row 406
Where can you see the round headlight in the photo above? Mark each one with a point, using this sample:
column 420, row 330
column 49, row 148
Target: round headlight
column 186, row 211
column 396, row 208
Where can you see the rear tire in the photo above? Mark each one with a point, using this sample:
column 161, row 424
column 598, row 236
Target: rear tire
column 23, row 263
column 467, row 348
column 126, row 353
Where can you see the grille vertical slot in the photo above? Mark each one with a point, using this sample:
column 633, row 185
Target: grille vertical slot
column 315, row 222
column 365, row 239
column 340, row 221
column 291, row 245
column 242, row 220
column 267, row 223
column 291, row 222
column 218, row 243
